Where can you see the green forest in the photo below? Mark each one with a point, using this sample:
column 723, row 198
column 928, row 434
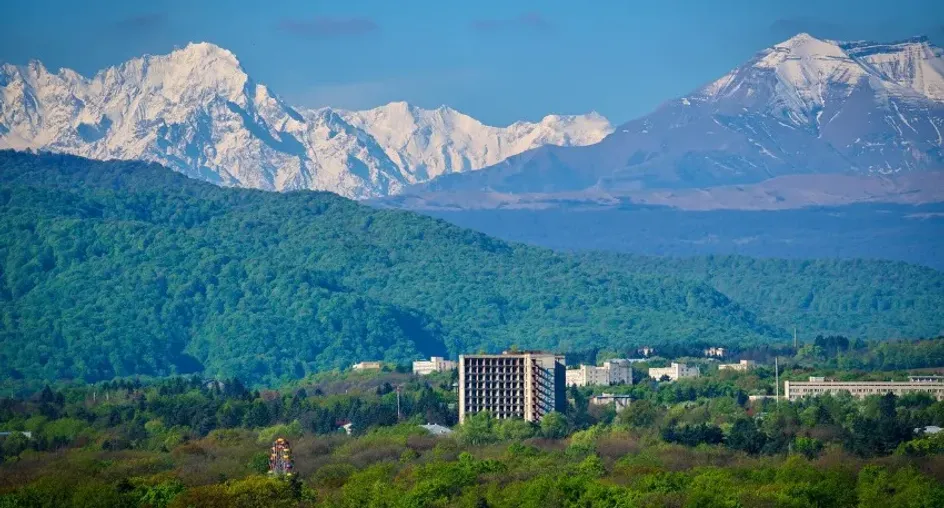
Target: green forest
column 185, row 442
column 118, row 269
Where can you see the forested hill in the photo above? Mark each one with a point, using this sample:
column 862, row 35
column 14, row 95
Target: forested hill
column 121, row 268
column 874, row 299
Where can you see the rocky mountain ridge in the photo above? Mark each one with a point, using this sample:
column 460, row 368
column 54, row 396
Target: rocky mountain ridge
column 197, row 111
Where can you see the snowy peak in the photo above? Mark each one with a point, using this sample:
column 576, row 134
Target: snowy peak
column 197, row 111
column 193, row 72
column 803, row 78
column 915, row 64
column 805, row 105
column 806, row 69
column 806, row 62
column 428, row 143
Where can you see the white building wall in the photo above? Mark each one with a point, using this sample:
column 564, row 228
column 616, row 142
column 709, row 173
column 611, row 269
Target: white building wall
column 817, row 386
column 612, row 372
column 674, row 372
column 620, row 371
column 743, row 365
column 434, row 364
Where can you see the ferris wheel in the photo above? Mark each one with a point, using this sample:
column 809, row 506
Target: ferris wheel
column 280, row 459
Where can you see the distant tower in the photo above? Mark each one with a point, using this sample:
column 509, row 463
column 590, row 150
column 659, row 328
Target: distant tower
column 280, row 460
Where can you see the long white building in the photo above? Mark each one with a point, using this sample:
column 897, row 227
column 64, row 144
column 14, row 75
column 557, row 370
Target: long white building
column 434, row 364
column 367, row 365
column 612, row 372
column 526, row 385
column 742, row 366
column 793, row 390
column 674, row 372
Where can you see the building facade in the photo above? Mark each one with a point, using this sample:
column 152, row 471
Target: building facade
column 716, row 352
column 743, row 366
column 620, row 402
column 434, row 364
column 526, row 385
column 612, row 372
column 674, row 372
column 794, row 390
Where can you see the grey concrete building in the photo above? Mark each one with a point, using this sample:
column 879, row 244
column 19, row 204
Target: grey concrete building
column 525, row 385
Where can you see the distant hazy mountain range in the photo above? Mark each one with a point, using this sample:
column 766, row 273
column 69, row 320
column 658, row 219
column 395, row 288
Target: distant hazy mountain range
column 871, row 112
column 811, row 149
column 196, row 111
column 803, row 106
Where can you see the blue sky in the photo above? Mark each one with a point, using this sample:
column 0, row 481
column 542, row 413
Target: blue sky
column 500, row 61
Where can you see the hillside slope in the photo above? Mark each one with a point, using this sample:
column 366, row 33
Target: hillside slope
column 126, row 268
column 859, row 298
column 121, row 268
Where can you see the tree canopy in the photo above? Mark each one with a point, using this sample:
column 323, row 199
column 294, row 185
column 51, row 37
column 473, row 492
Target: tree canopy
column 113, row 269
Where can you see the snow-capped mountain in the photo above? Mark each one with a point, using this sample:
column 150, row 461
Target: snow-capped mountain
column 196, row 110
column 803, row 106
column 429, row 143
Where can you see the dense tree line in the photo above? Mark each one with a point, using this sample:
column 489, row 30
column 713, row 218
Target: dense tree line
column 189, row 442
column 856, row 298
column 115, row 269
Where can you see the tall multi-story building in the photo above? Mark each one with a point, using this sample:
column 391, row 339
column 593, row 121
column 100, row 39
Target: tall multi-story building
column 793, row 390
column 612, row 372
column 434, row 364
column 525, row 385
column 674, row 372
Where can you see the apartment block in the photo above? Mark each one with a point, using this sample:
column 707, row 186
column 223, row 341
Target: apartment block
column 675, row 372
column 526, row 385
column 794, row 390
column 742, row 366
column 434, row 364
column 612, row 372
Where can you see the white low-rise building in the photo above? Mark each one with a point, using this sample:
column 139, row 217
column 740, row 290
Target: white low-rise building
column 742, row 366
column 674, row 372
column 434, row 364
column 436, row 429
column 612, row 372
column 794, row 390
column 367, row 366
column 620, row 402
column 715, row 351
